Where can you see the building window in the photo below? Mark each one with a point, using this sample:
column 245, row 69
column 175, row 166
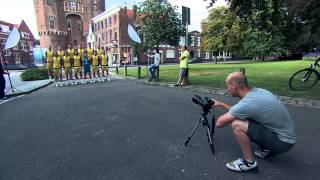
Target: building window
column 110, row 21
column 192, row 41
column 66, row 6
column 115, row 35
column 207, row 54
column 79, row 25
column 49, row 2
column 69, row 24
column 25, row 35
column 17, row 58
column 103, row 37
column 101, row 24
column 198, row 53
column 198, row 41
column 30, row 46
column 106, row 23
column 170, row 54
column 51, row 22
column 115, row 19
column 107, row 37
column 110, row 35
column 7, row 53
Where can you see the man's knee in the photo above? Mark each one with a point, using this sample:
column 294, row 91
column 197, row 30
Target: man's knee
column 239, row 125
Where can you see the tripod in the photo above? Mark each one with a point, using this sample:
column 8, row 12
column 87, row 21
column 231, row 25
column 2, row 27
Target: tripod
column 209, row 130
column 11, row 86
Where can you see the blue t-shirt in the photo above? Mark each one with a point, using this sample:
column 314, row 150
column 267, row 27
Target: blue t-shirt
column 266, row 109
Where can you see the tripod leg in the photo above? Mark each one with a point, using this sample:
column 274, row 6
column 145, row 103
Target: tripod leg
column 210, row 139
column 192, row 132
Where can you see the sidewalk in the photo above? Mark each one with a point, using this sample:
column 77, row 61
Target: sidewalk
column 205, row 89
column 22, row 87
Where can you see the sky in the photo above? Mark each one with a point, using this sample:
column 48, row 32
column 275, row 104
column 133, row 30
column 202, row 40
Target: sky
column 13, row 11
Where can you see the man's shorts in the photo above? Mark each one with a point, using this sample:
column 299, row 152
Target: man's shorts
column 266, row 138
column 77, row 69
column 95, row 68
column 56, row 71
column 67, row 70
column 183, row 72
column 104, row 68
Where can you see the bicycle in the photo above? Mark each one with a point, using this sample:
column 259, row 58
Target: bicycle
column 305, row 78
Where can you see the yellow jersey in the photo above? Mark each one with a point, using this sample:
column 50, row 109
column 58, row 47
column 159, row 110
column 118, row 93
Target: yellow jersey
column 60, row 53
column 66, row 62
column 76, row 61
column 49, row 56
column 70, row 52
column 95, row 60
column 81, row 52
column 56, row 63
column 99, row 52
column 104, row 60
column 89, row 52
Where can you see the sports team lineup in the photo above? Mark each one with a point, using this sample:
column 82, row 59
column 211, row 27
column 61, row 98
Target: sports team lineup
column 77, row 65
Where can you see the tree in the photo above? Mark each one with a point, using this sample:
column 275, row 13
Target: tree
column 221, row 31
column 160, row 24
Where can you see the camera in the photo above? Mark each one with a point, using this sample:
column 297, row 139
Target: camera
column 206, row 103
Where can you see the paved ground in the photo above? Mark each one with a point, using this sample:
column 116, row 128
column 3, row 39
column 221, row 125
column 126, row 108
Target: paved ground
column 21, row 87
column 128, row 130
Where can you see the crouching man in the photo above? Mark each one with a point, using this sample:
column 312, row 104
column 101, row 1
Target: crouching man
column 259, row 117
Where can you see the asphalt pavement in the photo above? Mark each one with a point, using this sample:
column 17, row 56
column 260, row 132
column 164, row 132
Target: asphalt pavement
column 132, row 131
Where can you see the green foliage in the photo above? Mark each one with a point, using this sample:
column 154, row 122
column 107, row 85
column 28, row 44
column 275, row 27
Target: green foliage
column 160, row 24
column 34, row 74
column 221, row 31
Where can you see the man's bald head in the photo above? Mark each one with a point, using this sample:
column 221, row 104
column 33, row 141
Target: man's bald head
column 237, row 78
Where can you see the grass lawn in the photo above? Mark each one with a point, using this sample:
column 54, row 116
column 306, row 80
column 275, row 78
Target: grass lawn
column 273, row 76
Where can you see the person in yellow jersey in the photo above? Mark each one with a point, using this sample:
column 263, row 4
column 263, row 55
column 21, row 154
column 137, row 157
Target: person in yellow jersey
column 99, row 50
column 81, row 51
column 57, row 68
column 95, row 64
column 104, row 65
column 184, row 64
column 67, row 66
column 77, row 65
column 70, row 51
column 60, row 52
column 49, row 56
column 89, row 53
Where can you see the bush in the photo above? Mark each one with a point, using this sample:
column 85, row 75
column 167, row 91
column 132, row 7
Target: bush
column 35, row 74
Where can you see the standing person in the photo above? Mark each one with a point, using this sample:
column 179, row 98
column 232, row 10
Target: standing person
column 259, row 117
column 99, row 50
column 81, row 51
column 184, row 65
column 155, row 64
column 70, row 50
column 95, row 64
column 60, row 52
column 77, row 65
column 86, row 67
column 89, row 53
column 57, row 69
column 104, row 65
column 49, row 56
column 67, row 65
column 2, row 81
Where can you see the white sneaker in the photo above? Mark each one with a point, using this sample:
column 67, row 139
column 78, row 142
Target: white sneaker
column 241, row 165
column 56, row 84
column 108, row 78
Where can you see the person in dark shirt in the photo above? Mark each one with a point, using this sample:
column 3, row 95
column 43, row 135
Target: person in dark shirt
column 2, row 82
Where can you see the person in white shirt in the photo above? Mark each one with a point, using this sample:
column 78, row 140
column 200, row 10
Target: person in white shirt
column 155, row 64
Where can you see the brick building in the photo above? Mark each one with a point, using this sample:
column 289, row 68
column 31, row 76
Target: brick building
column 111, row 33
column 63, row 22
column 20, row 56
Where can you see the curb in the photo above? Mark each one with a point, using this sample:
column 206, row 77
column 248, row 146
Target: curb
column 204, row 89
column 29, row 91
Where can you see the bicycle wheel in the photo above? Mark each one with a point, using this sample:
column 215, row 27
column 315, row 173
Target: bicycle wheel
column 303, row 79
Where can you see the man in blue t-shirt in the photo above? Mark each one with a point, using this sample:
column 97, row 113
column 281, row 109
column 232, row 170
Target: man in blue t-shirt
column 259, row 117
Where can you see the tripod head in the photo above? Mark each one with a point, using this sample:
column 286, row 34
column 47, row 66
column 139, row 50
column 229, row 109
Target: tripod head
column 206, row 103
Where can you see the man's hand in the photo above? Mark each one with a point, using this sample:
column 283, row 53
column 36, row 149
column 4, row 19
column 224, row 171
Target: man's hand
column 220, row 104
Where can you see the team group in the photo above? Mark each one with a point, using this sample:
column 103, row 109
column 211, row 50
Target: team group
column 83, row 62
